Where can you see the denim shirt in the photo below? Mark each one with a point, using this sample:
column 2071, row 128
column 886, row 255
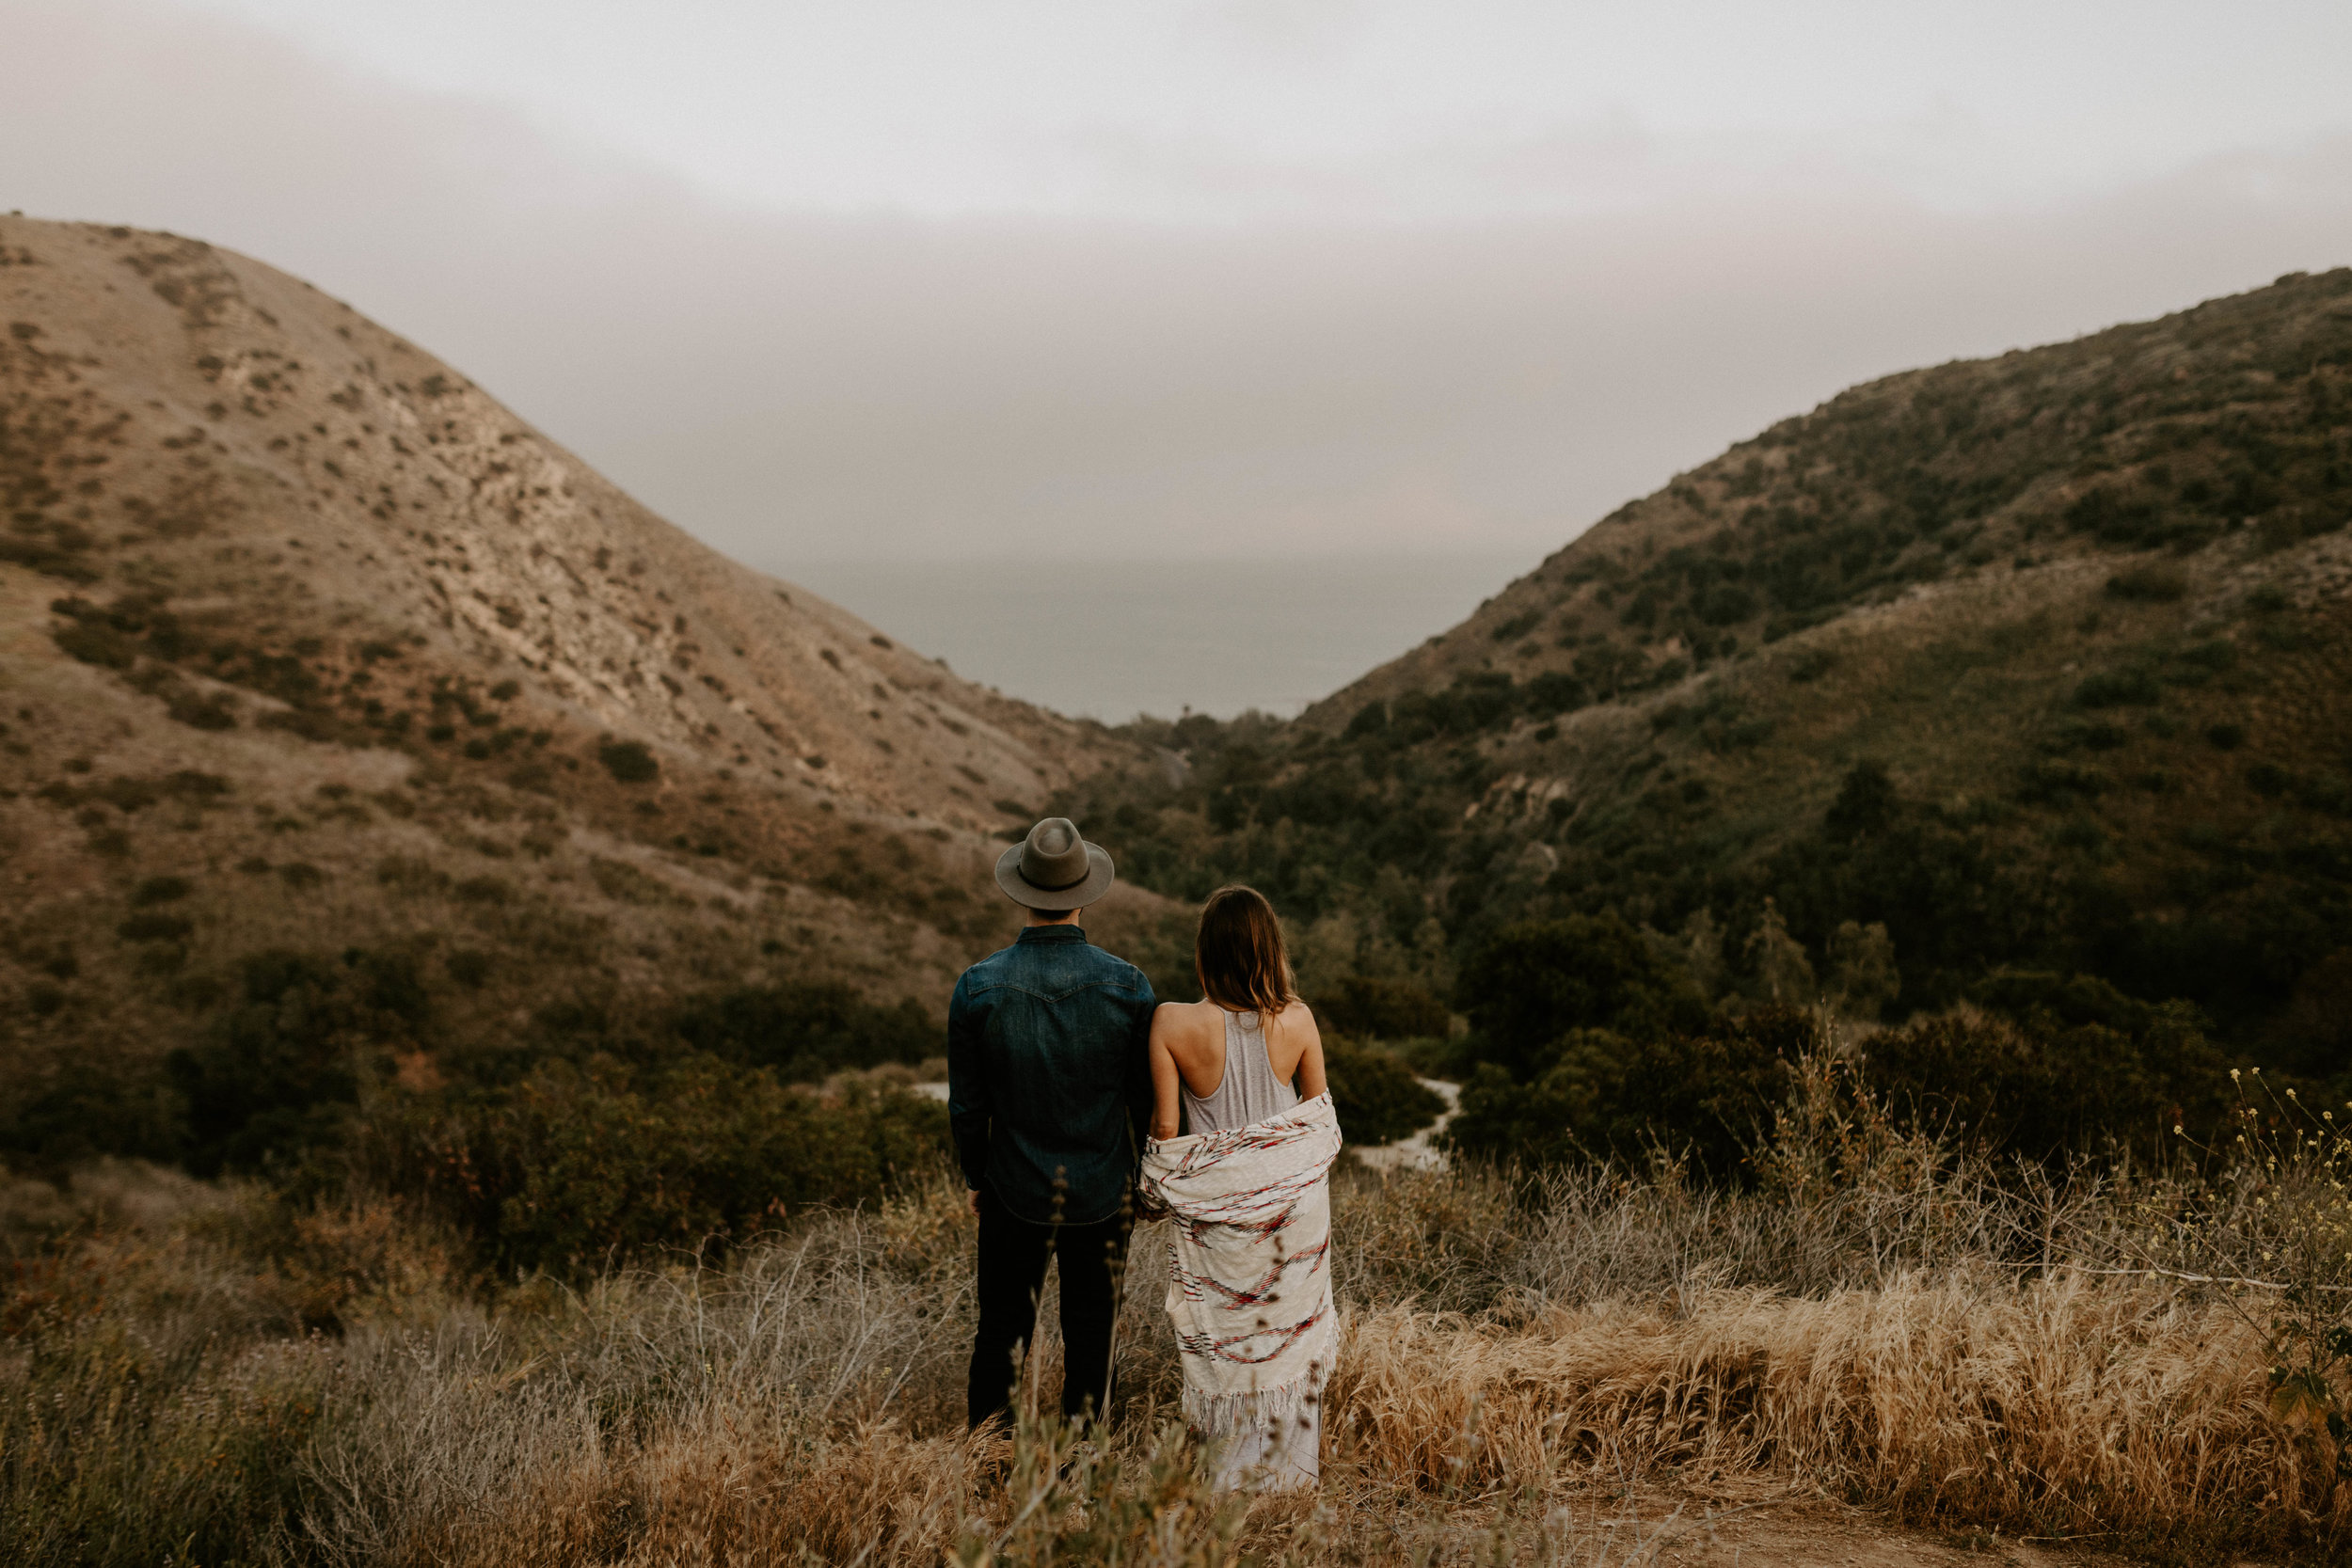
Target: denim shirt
column 1048, row 1060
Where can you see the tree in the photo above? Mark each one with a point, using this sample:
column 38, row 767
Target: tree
column 1782, row 973
column 1704, row 1096
column 1533, row 983
column 1862, row 977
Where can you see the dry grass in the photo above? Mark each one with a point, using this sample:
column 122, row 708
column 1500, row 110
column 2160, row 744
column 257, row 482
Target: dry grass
column 2063, row 1407
column 1518, row 1363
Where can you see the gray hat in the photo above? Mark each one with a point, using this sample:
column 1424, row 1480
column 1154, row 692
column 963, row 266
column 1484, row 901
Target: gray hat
column 1054, row 868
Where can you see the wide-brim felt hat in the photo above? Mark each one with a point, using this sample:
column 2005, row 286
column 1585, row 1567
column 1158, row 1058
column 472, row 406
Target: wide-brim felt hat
column 1052, row 868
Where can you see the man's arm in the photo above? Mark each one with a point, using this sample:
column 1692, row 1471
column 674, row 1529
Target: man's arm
column 1140, row 1093
column 969, row 1109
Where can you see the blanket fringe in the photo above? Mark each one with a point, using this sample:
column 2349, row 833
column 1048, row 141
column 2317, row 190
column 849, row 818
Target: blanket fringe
column 1220, row 1415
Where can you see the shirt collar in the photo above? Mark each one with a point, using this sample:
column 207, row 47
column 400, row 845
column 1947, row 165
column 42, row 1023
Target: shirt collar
column 1053, row 933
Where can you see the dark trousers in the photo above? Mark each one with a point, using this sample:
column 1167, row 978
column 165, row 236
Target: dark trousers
column 1013, row 1254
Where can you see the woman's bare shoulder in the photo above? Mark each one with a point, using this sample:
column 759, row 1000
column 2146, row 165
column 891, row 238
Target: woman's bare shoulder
column 1185, row 1017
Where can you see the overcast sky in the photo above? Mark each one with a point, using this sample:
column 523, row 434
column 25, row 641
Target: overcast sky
column 1114, row 279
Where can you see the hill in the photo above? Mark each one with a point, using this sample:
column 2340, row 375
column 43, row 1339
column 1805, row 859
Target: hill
column 531, row 912
column 333, row 688
column 2040, row 662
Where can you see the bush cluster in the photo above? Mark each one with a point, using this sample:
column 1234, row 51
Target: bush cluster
column 1376, row 1094
column 1588, row 1044
column 1372, row 1007
column 603, row 1126
column 578, row 1165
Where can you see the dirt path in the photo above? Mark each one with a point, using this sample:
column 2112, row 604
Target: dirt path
column 1668, row 1528
column 1803, row 1533
column 1804, row 1536
column 1416, row 1153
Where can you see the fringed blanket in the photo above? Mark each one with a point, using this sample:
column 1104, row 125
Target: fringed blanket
column 1250, row 1285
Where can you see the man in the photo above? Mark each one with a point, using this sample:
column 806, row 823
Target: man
column 1048, row 1081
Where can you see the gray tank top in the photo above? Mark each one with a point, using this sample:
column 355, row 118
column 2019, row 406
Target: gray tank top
column 1248, row 1091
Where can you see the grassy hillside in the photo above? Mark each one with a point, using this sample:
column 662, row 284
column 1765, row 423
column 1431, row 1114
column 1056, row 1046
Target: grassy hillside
column 518, row 925
column 1608, row 1367
column 366, row 761
column 2042, row 662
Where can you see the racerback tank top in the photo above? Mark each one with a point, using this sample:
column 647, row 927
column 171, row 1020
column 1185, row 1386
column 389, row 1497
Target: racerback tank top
column 1248, row 1091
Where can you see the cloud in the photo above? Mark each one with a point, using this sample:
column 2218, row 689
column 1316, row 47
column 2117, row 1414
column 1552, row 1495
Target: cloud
column 793, row 386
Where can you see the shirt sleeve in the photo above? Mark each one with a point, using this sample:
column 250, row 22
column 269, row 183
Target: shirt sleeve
column 1139, row 1067
column 969, row 1114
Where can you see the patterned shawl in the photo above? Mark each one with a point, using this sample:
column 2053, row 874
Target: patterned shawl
column 1250, row 1279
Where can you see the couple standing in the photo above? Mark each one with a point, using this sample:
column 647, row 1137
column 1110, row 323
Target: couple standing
column 1066, row 1077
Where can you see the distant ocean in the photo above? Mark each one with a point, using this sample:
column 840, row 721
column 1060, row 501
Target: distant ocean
column 1117, row 638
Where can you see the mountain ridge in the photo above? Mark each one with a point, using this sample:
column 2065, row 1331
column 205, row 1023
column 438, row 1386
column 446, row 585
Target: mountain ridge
column 528, row 560
column 354, row 737
column 1693, row 505
column 2041, row 662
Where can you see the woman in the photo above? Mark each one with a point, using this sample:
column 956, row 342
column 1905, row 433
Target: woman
column 1248, row 1184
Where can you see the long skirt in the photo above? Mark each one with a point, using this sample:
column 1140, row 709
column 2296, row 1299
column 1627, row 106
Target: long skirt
column 1271, row 1453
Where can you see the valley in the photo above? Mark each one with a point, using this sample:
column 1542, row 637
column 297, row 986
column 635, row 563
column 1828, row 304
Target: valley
column 476, row 961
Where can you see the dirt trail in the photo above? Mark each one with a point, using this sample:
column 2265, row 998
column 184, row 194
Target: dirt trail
column 1802, row 1536
column 1764, row 1529
column 1799, row 1531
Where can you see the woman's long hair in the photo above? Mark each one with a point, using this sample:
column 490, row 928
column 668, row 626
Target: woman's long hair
column 1239, row 956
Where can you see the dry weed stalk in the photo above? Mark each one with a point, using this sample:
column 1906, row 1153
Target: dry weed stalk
column 2068, row 1406
column 1883, row 1317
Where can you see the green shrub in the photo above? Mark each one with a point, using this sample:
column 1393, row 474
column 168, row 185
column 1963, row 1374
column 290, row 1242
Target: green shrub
column 578, row 1165
column 88, row 1106
column 484, row 890
column 1704, row 1096
column 2149, row 584
column 1377, row 1096
column 190, row 784
column 159, row 890
column 2118, row 689
column 804, row 1029
column 629, row 761
column 1533, row 983
column 1371, row 1009
column 96, row 643
column 1725, row 604
column 2065, row 1064
column 278, row 1075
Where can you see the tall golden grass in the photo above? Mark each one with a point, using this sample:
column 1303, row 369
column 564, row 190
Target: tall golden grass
column 202, row 1375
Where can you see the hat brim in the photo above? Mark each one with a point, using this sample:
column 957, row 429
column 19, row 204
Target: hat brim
column 1100, row 875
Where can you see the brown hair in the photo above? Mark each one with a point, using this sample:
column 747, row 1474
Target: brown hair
column 1239, row 956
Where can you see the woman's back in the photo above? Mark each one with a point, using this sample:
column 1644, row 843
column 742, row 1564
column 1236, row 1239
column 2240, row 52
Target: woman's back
column 1256, row 1210
column 1247, row 1090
